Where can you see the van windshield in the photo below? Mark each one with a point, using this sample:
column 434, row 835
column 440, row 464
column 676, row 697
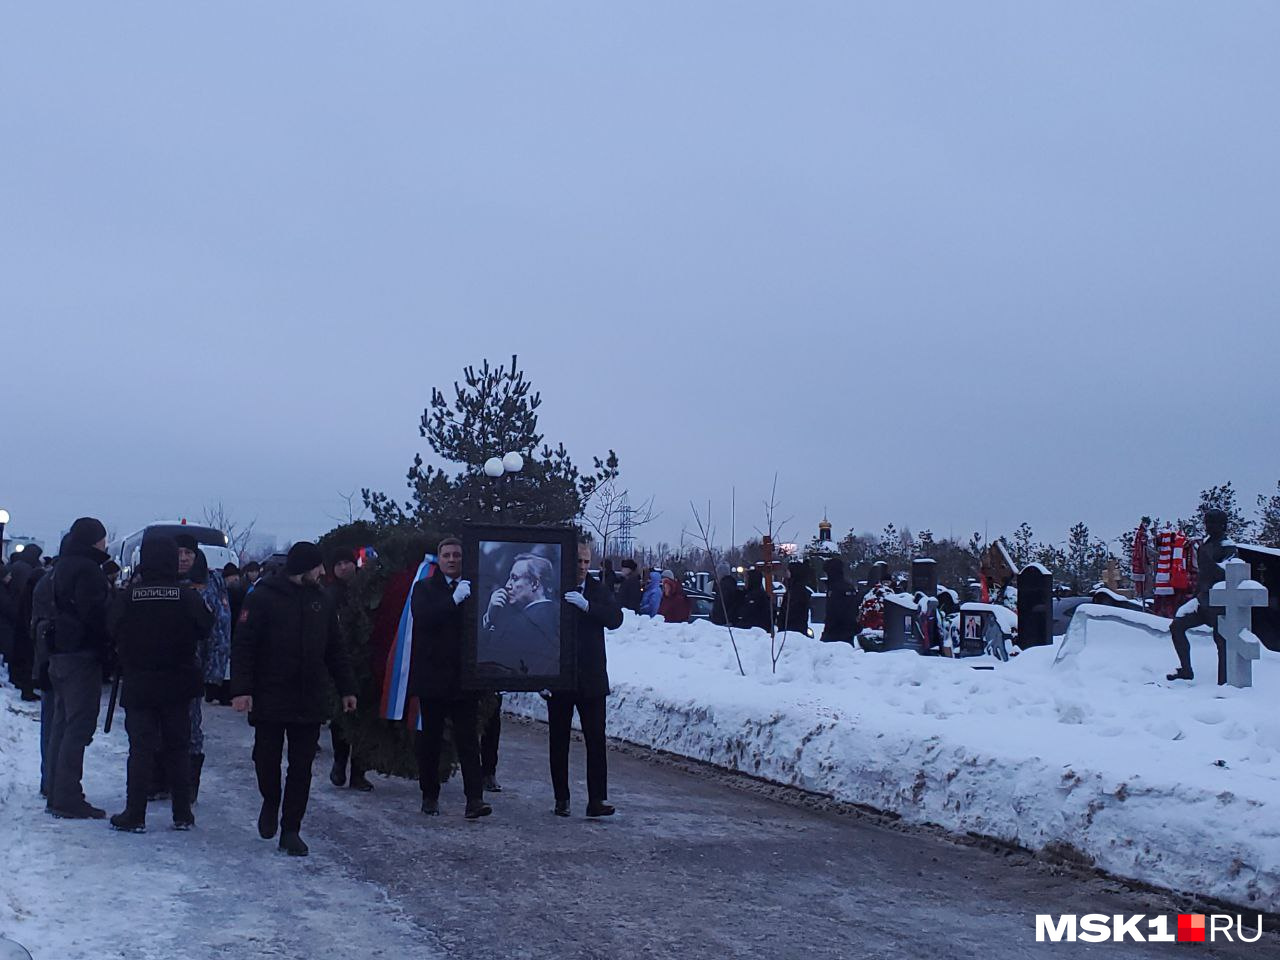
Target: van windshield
column 204, row 535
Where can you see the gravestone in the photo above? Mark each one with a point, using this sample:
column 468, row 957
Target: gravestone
column 899, row 620
column 1035, row 606
column 1238, row 595
column 971, row 629
column 924, row 576
column 879, row 572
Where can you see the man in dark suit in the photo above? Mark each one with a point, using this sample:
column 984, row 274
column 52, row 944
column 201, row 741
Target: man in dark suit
column 438, row 605
column 521, row 629
column 595, row 609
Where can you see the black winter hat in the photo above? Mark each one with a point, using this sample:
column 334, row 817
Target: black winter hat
column 340, row 555
column 303, row 557
column 87, row 531
column 833, row 567
column 159, row 558
column 185, row 541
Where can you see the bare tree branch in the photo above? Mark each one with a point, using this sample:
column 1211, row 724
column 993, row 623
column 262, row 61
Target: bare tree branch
column 216, row 516
column 706, row 533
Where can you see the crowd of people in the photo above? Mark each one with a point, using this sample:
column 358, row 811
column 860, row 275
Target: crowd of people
column 269, row 643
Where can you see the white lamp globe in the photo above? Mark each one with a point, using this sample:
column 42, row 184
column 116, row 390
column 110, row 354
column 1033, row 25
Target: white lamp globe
column 513, row 463
column 4, row 516
column 493, row 467
column 18, row 548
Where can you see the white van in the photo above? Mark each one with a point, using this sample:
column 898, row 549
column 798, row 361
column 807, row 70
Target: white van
column 214, row 544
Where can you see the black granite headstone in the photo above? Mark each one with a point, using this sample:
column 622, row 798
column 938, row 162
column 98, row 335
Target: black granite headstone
column 898, row 622
column 879, row 572
column 1035, row 606
column 924, row 576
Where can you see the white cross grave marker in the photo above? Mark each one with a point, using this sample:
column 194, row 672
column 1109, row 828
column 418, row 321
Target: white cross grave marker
column 1238, row 595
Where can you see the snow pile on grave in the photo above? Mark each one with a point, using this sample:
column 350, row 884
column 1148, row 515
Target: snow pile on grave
column 1081, row 748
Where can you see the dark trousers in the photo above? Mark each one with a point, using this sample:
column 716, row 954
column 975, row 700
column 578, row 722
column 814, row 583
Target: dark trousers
column 46, row 732
column 268, row 750
column 489, row 737
column 462, row 713
column 160, row 734
column 23, row 660
column 77, row 695
column 342, row 752
column 1201, row 618
column 560, row 718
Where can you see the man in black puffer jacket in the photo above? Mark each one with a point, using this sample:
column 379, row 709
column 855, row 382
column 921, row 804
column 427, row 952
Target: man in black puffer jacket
column 79, row 650
column 157, row 627
column 285, row 649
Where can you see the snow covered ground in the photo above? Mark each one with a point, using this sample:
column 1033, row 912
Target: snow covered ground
column 76, row 889
column 1082, row 747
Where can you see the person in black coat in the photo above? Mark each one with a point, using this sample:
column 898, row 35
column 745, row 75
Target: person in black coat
column 79, row 650
column 23, row 655
column 630, row 589
column 285, row 650
column 756, row 604
column 842, row 606
column 726, row 598
column 438, row 605
column 794, row 615
column 341, row 568
column 157, row 627
column 597, row 610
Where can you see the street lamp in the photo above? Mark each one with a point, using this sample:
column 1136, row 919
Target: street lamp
column 4, row 518
column 497, row 467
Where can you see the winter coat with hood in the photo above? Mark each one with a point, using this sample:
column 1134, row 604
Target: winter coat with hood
column 81, row 590
column 652, row 597
column 215, row 649
column 675, row 606
column 286, row 650
column 157, row 627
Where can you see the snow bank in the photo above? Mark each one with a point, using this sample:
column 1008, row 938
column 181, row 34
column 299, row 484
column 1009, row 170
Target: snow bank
column 1080, row 747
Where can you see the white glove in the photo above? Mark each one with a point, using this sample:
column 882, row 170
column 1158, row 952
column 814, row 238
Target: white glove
column 461, row 591
column 577, row 599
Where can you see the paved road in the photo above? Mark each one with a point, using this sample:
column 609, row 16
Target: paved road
column 696, row 864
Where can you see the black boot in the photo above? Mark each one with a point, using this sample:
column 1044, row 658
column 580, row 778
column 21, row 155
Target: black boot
column 197, row 766
column 1182, row 673
column 338, row 775
column 477, row 809
column 292, row 844
column 268, row 820
column 129, row 822
column 360, row 782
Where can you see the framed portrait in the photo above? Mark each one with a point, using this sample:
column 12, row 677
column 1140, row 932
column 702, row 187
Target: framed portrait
column 518, row 634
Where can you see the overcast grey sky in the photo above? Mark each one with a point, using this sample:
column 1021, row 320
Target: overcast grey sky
column 951, row 265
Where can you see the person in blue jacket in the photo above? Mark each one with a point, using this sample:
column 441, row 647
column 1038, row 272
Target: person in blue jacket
column 652, row 598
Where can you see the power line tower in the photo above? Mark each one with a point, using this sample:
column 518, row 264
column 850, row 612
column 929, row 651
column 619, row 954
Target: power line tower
column 626, row 529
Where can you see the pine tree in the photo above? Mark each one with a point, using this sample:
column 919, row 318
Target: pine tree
column 1023, row 547
column 493, row 412
column 1079, row 553
column 1268, row 523
column 1218, row 498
